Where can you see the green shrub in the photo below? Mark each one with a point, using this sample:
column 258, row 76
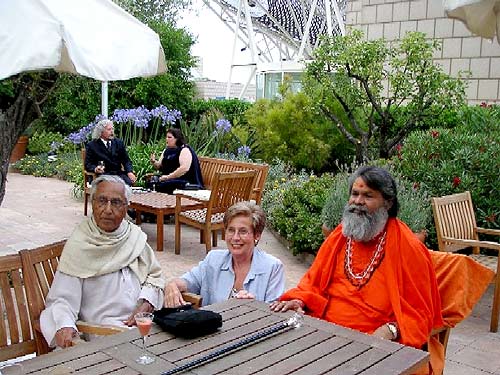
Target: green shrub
column 444, row 161
column 42, row 141
column 293, row 209
column 289, row 129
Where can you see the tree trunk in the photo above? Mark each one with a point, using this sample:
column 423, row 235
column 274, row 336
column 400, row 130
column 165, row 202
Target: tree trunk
column 13, row 123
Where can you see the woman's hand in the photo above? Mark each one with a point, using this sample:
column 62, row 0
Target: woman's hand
column 173, row 296
column 243, row 294
column 163, row 177
column 282, row 306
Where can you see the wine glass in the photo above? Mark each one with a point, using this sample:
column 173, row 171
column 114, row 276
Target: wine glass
column 144, row 321
column 154, row 180
column 100, row 164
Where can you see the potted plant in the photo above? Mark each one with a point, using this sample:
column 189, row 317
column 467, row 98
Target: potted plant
column 414, row 204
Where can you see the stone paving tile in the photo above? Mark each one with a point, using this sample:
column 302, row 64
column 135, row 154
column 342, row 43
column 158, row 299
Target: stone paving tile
column 48, row 214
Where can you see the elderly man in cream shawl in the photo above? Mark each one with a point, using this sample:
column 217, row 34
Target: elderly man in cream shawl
column 107, row 271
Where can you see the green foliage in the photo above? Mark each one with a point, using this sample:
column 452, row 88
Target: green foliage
column 149, row 11
column 414, row 207
column 347, row 81
column 212, row 135
column 43, row 142
column 66, row 167
column 140, row 156
column 232, row 109
column 293, row 204
column 289, row 129
column 447, row 161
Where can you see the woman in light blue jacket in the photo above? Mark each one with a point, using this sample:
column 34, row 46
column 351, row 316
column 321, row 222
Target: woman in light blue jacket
column 241, row 271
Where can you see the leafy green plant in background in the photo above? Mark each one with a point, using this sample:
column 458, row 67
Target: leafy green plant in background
column 293, row 204
column 44, row 142
column 445, row 161
column 290, row 130
column 345, row 81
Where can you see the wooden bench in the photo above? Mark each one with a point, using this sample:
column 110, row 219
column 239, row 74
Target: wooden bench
column 209, row 166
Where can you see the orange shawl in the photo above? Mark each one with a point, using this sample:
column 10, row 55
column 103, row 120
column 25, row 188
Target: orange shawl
column 409, row 274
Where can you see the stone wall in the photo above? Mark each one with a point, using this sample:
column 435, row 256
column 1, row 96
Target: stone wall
column 461, row 50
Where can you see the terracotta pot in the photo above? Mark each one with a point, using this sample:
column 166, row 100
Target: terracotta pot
column 19, row 149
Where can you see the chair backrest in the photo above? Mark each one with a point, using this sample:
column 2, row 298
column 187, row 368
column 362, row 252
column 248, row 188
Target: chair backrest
column 211, row 166
column 16, row 332
column 454, row 218
column 230, row 188
column 39, row 266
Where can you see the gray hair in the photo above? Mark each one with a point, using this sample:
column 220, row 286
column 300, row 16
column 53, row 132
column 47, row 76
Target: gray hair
column 247, row 209
column 98, row 129
column 381, row 180
column 127, row 191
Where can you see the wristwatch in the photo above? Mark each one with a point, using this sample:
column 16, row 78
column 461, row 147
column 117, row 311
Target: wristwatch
column 393, row 328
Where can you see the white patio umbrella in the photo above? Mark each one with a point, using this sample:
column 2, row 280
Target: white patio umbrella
column 93, row 38
column 482, row 17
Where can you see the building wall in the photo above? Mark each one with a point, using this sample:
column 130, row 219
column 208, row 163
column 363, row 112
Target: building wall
column 460, row 50
column 206, row 89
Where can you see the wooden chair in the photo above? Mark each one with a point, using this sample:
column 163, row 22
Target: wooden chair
column 87, row 180
column 39, row 267
column 457, row 229
column 17, row 336
column 227, row 189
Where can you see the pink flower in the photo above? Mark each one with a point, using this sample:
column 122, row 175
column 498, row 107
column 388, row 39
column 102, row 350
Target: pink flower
column 456, row 181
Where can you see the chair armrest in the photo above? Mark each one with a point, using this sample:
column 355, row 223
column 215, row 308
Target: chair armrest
column 195, row 299
column 99, row 329
column 495, row 232
column 473, row 243
column 202, row 196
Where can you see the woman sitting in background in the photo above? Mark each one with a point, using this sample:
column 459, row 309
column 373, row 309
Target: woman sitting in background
column 242, row 271
column 178, row 165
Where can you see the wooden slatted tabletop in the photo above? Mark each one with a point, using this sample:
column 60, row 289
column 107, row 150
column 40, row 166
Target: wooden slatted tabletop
column 317, row 347
column 158, row 204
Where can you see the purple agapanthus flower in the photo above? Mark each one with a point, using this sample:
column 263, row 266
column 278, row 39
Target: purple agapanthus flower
column 138, row 116
column 166, row 115
column 84, row 134
column 222, row 125
column 244, row 151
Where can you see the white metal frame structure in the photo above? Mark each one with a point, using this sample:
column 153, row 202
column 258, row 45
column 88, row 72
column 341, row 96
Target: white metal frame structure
column 278, row 31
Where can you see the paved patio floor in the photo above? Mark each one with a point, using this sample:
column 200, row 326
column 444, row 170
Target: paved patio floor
column 37, row 211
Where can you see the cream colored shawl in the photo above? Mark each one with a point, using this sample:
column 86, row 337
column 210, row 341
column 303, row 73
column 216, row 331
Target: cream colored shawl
column 91, row 251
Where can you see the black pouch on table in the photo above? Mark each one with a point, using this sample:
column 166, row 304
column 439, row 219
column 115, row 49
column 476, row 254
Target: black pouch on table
column 184, row 321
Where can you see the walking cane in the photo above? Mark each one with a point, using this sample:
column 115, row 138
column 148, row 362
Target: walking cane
column 294, row 322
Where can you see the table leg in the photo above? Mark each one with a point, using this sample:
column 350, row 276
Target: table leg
column 159, row 231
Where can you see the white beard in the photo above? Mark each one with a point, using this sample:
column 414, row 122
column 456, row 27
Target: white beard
column 362, row 225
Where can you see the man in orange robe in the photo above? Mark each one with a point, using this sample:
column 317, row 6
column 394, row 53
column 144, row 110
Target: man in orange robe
column 371, row 274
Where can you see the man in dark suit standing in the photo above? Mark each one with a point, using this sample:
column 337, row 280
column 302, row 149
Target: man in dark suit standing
column 107, row 155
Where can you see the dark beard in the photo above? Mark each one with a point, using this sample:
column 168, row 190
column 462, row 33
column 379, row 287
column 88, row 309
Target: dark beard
column 362, row 225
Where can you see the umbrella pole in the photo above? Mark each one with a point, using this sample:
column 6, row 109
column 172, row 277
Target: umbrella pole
column 104, row 98
column 294, row 322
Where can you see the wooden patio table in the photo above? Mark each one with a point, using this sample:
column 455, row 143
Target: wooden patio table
column 159, row 204
column 317, row 347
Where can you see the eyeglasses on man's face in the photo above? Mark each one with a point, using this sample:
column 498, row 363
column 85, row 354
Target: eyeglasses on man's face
column 116, row 203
